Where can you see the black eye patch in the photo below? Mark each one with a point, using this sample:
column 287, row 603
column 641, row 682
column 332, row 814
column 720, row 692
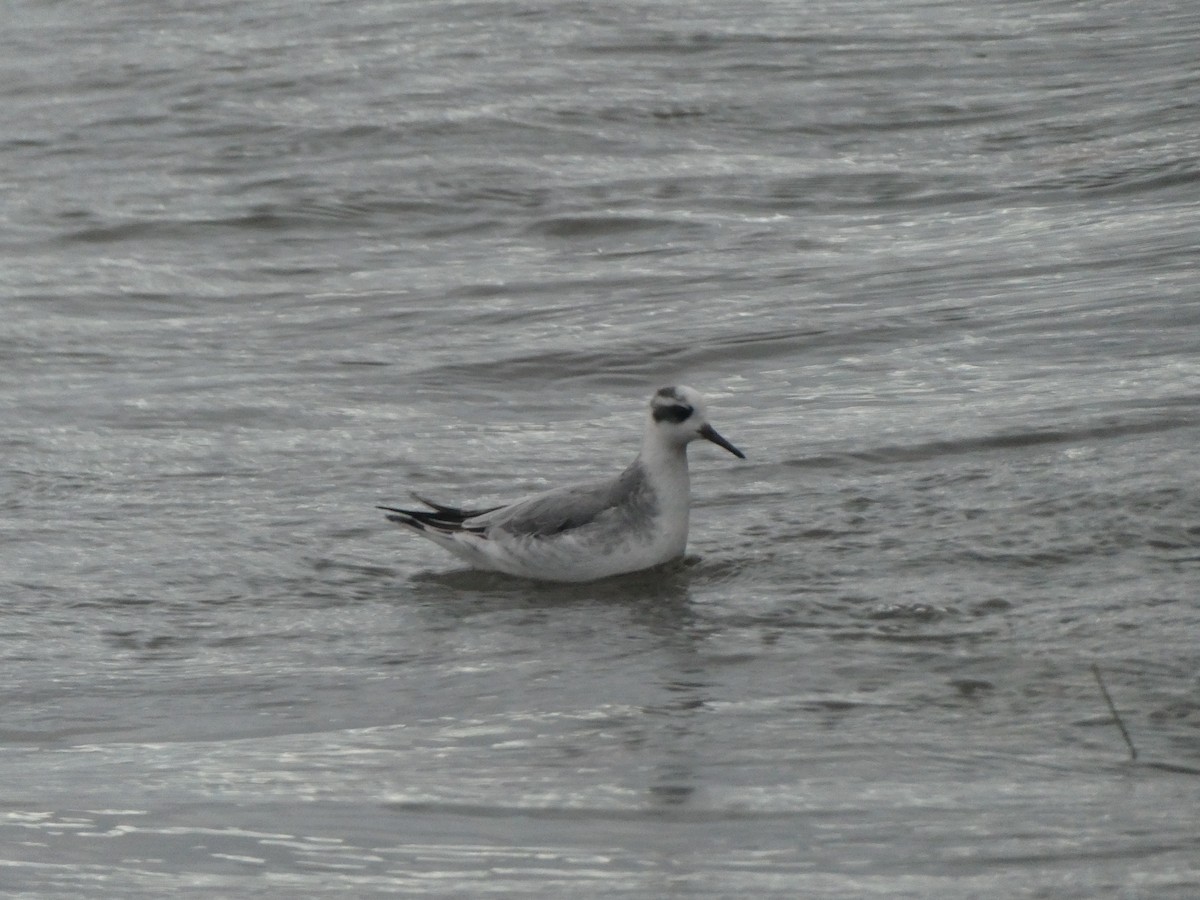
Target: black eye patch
column 673, row 413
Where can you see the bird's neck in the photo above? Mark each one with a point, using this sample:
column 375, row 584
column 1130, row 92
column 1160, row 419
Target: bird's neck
column 665, row 464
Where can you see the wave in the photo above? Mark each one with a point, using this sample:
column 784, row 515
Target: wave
column 1009, row 440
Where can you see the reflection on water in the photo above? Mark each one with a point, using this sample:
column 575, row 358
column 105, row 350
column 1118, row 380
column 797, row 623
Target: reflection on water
column 261, row 271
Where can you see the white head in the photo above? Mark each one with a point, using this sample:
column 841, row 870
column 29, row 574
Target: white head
column 678, row 416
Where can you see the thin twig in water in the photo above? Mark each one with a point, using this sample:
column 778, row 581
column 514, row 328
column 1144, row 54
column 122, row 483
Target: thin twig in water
column 1112, row 708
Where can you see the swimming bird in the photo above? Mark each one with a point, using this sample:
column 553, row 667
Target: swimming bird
column 581, row 532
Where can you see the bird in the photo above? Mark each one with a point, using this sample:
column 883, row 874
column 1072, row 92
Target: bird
column 581, row 532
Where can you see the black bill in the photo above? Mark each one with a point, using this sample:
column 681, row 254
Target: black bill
column 710, row 433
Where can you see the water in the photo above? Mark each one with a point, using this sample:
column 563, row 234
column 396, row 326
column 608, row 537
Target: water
column 267, row 265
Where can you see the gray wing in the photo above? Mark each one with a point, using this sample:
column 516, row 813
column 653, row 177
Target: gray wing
column 563, row 509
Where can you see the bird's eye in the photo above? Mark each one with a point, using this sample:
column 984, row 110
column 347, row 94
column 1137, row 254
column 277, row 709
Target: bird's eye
column 675, row 413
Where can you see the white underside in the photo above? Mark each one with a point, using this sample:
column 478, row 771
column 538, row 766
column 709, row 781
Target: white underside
column 613, row 544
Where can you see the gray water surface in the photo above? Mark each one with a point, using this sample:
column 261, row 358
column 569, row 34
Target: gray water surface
column 266, row 265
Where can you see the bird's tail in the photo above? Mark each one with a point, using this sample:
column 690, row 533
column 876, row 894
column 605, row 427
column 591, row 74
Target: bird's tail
column 441, row 518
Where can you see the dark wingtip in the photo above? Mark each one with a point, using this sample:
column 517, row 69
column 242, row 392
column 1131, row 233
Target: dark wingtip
column 402, row 517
